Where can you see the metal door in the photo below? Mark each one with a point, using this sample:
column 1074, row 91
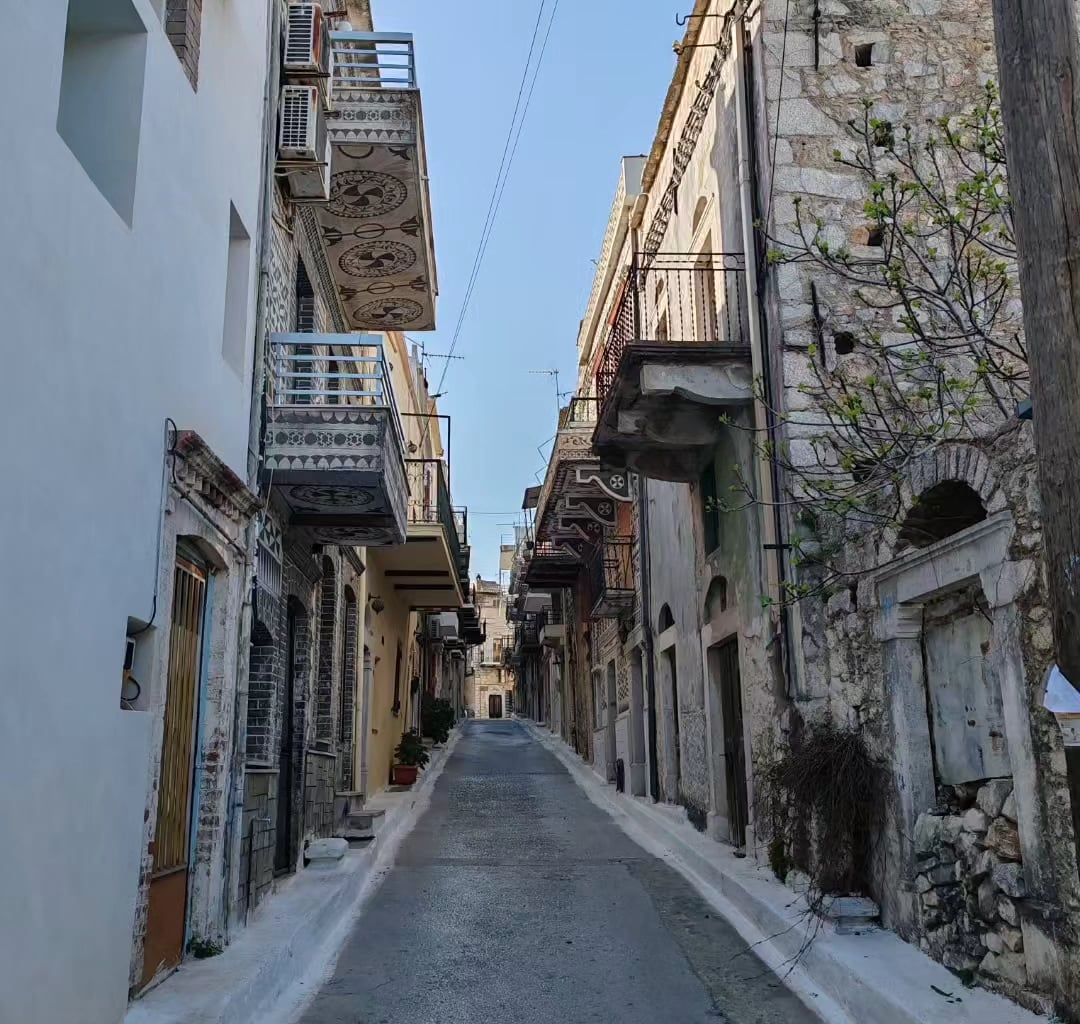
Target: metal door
column 734, row 748
column 167, row 910
column 283, row 839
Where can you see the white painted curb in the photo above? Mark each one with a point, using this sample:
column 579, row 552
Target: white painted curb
column 277, row 964
column 874, row 978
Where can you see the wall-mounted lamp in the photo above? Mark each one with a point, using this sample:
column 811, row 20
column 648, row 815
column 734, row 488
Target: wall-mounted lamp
column 377, row 603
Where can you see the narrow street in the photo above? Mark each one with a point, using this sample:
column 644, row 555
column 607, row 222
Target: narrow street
column 514, row 900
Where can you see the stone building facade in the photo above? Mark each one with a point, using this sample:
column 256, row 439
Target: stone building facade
column 713, row 334
column 491, row 683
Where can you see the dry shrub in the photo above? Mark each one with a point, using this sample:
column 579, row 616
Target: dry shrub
column 821, row 803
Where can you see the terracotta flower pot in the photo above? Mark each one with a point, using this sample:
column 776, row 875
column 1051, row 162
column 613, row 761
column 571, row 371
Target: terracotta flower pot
column 405, row 774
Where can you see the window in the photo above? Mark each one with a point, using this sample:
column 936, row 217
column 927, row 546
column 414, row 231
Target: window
column 305, row 324
column 183, row 26
column 237, row 275
column 705, row 311
column 305, row 300
column 942, row 510
column 710, row 511
column 101, row 94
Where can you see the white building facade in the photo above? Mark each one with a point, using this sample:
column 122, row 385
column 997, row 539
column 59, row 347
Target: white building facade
column 129, row 286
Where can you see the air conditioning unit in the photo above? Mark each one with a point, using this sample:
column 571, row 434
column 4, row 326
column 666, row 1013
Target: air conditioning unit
column 309, row 54
column 304, row 144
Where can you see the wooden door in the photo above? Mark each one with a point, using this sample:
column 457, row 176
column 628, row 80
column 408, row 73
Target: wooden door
column 734, row 747
column 494, row 706
column 167, row 910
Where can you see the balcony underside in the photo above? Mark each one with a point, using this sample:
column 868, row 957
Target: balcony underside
column 662, row 415
column 377, row 225
column 553, row 635
column 555, row 569
column 422, row 571
column 613, row 604
column 340, row 471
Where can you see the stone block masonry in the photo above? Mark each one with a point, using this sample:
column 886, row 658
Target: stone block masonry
column 969, row 875
column 257, row 842
column 320, row 773
column 183, row 26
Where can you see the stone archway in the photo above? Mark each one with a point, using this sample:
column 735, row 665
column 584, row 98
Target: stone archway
column 946, row 593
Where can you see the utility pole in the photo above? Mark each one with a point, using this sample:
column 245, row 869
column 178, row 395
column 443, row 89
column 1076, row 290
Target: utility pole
column 1039, row 68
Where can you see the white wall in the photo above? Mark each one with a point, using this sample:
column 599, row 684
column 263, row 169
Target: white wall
column 107, row 329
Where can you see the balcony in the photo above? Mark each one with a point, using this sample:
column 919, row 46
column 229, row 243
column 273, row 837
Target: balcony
column 529, row 632
column 579, row 499
column 676, row 358
column 425, row 569
column 473, row 631
column 333, row 448
column 461, row 519
column 611, row 578
column 377, row 225
column 552, row 628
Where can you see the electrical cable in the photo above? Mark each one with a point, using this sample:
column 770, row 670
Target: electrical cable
column 513, row 136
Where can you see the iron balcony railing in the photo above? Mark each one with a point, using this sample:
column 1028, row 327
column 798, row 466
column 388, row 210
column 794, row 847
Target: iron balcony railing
column 461, row 521
column 429, row 500
column 581, row 412
column 330, row 369
column 552, row 615
column 611, row 573
column 675, row 299
column 530, row 632
column 373, row 60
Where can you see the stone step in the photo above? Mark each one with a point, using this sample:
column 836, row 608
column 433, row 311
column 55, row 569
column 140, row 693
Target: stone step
column 851, row 915
column 362, row 824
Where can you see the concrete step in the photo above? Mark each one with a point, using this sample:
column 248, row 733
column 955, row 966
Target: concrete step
column 362, row 824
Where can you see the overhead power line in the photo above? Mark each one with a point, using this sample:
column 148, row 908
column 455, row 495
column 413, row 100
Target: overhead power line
column 513, row 136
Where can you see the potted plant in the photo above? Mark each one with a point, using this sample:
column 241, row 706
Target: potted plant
column 409, row 757
column 436, row 718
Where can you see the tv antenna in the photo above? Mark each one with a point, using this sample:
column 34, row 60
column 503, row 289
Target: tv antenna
column 558, row 394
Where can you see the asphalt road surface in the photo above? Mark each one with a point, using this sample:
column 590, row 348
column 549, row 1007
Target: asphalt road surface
column 517, row 901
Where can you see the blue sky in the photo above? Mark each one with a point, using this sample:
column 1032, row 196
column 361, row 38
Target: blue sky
column 598, row 98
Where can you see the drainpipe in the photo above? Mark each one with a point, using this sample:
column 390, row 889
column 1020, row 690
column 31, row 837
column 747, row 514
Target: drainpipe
column 767, row 469
column 646, row 623
column 235, row 812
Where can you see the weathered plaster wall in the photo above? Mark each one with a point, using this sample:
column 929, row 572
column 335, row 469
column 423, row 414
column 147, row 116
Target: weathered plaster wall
column 926, row 61
column 395, row 624
column 673, row 560
column 121, row 323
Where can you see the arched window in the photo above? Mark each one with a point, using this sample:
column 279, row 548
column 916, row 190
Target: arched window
column 667, row 620
column 940, row 511
column 716, row 600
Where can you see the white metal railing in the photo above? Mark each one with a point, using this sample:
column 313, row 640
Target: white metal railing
column 373, row 60
column 331, row 369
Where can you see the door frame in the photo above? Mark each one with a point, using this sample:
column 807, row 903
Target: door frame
column 285, row 817
column 722, row 626
column 190, row 562
column 727, row 691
